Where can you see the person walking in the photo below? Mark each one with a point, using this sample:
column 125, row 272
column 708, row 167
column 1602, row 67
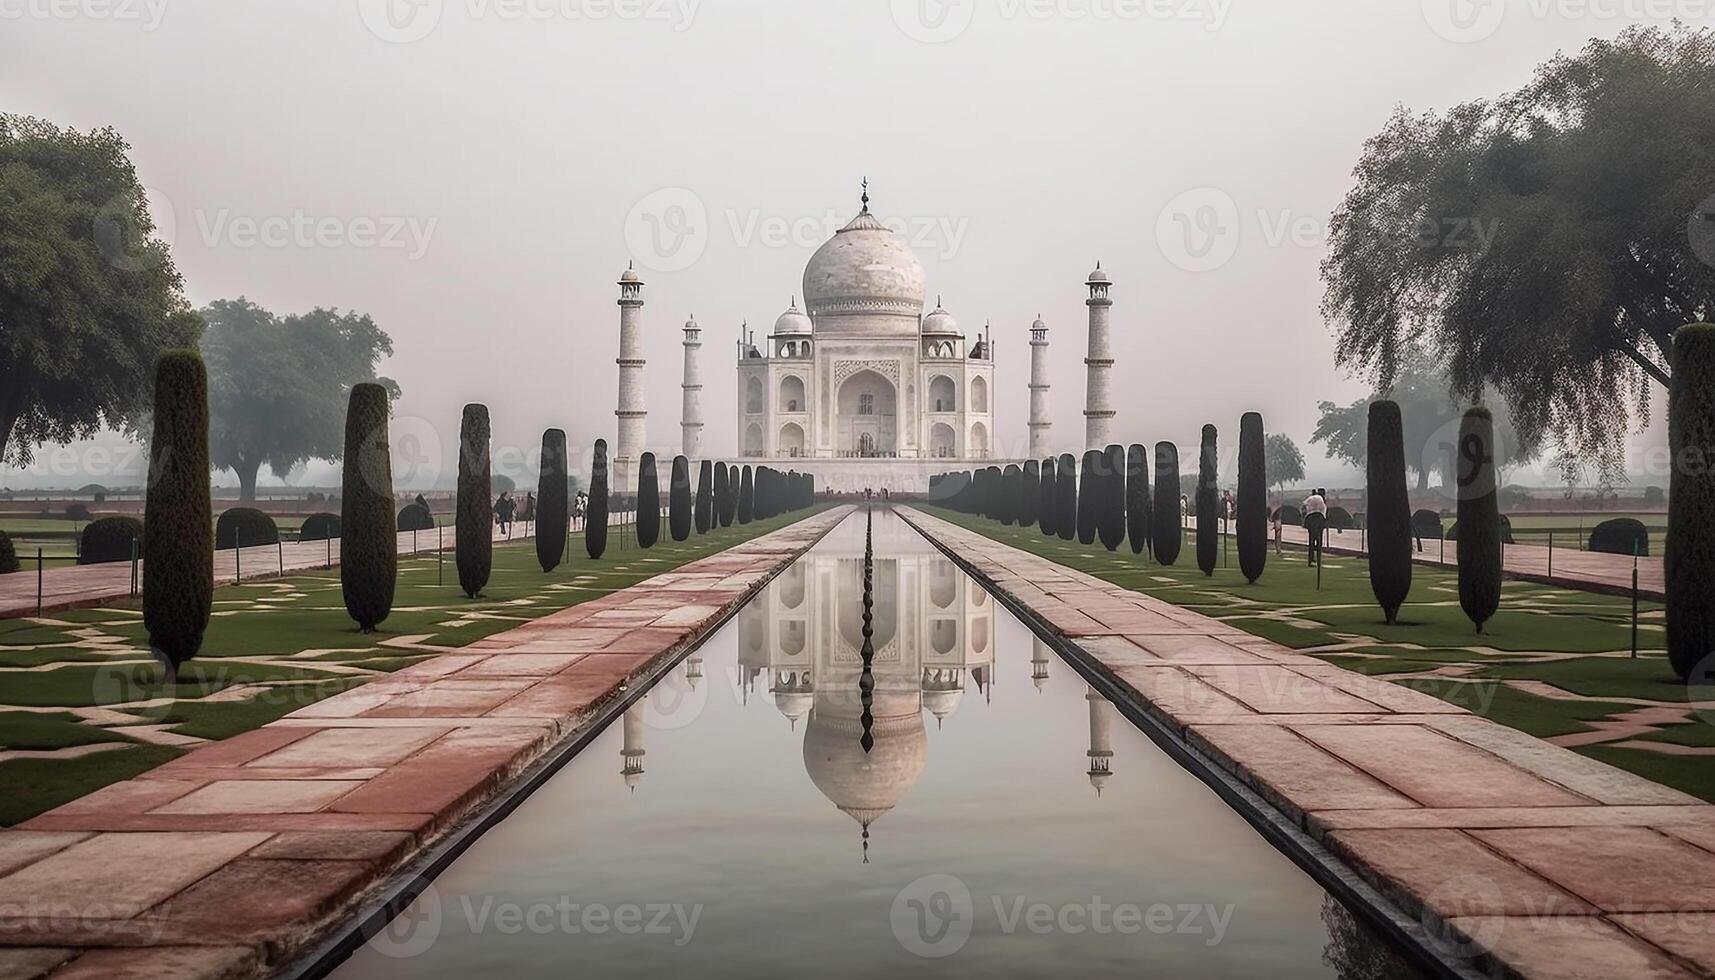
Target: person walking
column 504, row 508
column 1316, row 521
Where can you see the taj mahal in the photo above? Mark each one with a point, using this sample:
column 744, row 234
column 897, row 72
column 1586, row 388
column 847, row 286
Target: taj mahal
column 859, row 386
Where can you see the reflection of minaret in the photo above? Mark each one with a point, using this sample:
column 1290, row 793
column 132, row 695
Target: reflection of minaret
column 691, row 417
column 693, row 670
column 632, row 417
column 1098, row 386
column 1101, row 744
column 632, row 751
column 1039, row 423
column 1039, row 664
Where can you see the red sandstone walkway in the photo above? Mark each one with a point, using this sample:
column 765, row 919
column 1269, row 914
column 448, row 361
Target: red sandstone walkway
column 1545, row 862
column 228, row 859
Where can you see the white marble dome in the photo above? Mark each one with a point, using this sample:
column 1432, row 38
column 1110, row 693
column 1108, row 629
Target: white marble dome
column 792, row 321
column 864, row 268
column 862, row 784
column 940, row 321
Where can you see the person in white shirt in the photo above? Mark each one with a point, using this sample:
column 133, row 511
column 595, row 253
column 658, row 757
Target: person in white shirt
column 1316, row 521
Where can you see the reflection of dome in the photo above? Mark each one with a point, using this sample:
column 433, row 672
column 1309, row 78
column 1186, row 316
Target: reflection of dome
column 792, row 321
column 864, row 268
column 864, row 785
column 940, row 321
column 795, row 705
column 941, row 704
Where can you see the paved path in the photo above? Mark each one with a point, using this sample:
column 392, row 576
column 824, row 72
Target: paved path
column 1542, row 861
column 68, row 586
column 227, row 860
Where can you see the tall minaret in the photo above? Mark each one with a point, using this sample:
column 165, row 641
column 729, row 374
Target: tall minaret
column 1039, row 424
column 1039, row 664
column 1101, row 751
column 691, row 420
column 1098, row 392
column 633, row 430
column 631, row 749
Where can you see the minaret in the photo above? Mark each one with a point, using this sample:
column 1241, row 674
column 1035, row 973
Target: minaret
column 1039, row 664
column 1039, row 424
column 1098, row 392
column 633, row 430
column 691, row 420
column 1101, row 744
column 631, row 753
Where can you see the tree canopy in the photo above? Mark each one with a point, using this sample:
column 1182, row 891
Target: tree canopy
column 1546, row 242
column 278, row 386
column 88, row 295
column 1282, row 460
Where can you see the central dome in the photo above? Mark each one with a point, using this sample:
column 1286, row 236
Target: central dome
column 864, row 268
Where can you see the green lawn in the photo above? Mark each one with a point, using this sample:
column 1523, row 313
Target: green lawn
column 286, row 642
column 1577, row 642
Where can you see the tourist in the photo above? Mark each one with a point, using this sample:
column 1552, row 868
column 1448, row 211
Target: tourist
column 1315, row 522
column 504, row 508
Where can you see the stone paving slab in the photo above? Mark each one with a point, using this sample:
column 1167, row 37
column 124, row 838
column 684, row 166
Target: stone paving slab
column 1520, row 858
column 227, row 860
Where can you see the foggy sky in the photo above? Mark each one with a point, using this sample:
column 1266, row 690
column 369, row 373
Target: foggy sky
column 479, row 189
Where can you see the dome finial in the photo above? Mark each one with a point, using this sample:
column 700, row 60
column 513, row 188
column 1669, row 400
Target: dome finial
column 865, row 195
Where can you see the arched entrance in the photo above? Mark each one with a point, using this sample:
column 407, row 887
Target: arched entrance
column 753, row 440
column 792, row 394
column 979, row 441
column 942, row 441
column 867, row 414
column 791, row 440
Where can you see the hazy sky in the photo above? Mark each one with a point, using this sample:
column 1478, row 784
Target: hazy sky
column 476, row 174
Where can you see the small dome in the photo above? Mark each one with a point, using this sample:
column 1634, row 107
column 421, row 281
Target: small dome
column 795, row 705
column 940, row 321
column 1098, row 275
column 793, row 321
column 942, row 703
column 630, row 275
column 1039, row 325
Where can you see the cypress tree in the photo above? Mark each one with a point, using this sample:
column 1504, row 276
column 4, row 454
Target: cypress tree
column 369, row 547
column 1066, row 492
column 1690, row 562
column 705, row 514
column 552, row 514
column 595, row 522
column 474, row 521
column 1252, row 503
column 1046, row 504
column 809, row 489
column 1389, row 506
column 178, row 514
column 1012, row 478
column 746, row 496
column 726, row 501
column 679, row 500
column 1029, row 493
column 1208, row 503
column 1089, row 496
column 648, row 502
column 1110, row 522
column 1479, row 519
column 1137, row 498
column 1168, row 535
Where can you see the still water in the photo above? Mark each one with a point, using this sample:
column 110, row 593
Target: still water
column 1005, row 820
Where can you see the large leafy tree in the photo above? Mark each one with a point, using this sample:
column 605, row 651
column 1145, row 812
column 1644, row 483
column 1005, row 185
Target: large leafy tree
column 277, row 384
column 88, row 295
column 1546, row 242
column 1282, row 459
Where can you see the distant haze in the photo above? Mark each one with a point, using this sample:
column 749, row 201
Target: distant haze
column 478, row 188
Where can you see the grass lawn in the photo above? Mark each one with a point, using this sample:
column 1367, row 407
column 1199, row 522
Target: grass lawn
column 1578, row 643
column 84, row 677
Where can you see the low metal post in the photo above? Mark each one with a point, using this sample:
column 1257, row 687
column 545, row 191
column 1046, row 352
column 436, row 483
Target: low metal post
column 440, row 557
column 413, row 542
column 1634, row 600
column 133, row 566
column 38, row 583
column 237, row 556
column 1551, row 554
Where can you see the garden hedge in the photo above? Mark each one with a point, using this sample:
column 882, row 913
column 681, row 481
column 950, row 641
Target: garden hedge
column 1066, row 494
column 679, row 500
column 1167, row 537
column 1388, row 509
column 595, row 521
column 1426, row 523
column 320, row 527
column 1621, row 536
column 704, row 516
column 108, row 539
column 368, row 543
column 1047, row 504
column 726, row 494
column 1030, row 493
column 244, row 525
column 1089, row 496
column 1251, row 518
column 415, row 517
column 1479, row 518
column 178, row 578
column 1290, row 515
column 1137, row 494
column 553, row 506
column 1208, row 502
column 1690, row 562
column 474, row 519
column 1009, row 485
column 1341, row 519
column 1452, row 533
column 1110, row 517
column 648, row 502
column 746, row 496
column 8, row 555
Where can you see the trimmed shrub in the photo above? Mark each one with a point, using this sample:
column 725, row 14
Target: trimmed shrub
column 1290, row 515
column 1426, row 524
column 553, row 504
column 244, row 525
column 78, row 511
column 1011, row 482
column 1506, row 530
column 8, row 554
column 1479, row 518
column 746, row 496
column 1137, row 509
column 1110, row 518
column 1029, row 493
column 1089, row 496
column 705, row 512
column 1066, row 492
column 648, row 502
column 321, row 527
column 726, row 494
column 368, row 543
column 1167, row 538
column 1208, row 502
column 1252, row 503
column 679, row 499
column 474, row 519
column 1620, row 536
column 1047, row 504
column 1690, row 562
column 415, row 517
column 595, row 521
column 1389, row 515
column 178, row 578
column 1340, row 519
column 108, row 539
